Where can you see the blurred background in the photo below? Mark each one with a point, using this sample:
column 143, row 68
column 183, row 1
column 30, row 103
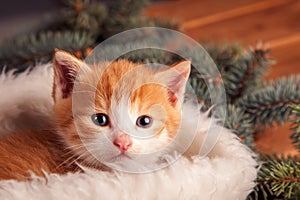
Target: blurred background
column 20, row 16
column 274, row 22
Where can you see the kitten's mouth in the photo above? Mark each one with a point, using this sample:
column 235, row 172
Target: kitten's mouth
column 123, row 154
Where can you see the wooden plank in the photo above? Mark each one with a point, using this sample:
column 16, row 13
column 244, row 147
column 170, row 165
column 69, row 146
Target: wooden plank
column 277, row 26
column 276, row 139
column 233, row 13
column 270, row 24
column 185, row 10
column 287, row 56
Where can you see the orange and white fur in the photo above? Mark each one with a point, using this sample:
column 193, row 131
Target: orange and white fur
column 97, row 111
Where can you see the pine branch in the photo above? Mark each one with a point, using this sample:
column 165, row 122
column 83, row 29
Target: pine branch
column 127, row 7
column 244, row 73
column 125, row 14
column 296, row 126
column 25, row 51
column 241, row 71
column 240, row 123
column 201, row 90
column 278, row 178
column 271, row 103
column 83, row 15
column 224, row 55
column 115, row 25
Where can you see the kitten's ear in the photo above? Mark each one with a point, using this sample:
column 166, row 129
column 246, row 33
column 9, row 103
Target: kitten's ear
column 65, row 68
column 175, row 78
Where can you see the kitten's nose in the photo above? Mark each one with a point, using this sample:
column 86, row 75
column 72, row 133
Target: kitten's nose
column 123, row 141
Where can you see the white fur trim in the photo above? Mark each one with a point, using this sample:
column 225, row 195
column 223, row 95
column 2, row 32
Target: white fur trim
column 227, row 173
column 26, row 100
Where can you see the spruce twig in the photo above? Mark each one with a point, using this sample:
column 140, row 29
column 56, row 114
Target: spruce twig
column 26, row 51
column 244, row 74
column 271, row 103
column 296, row 126
column 240, row 123
column 278, row 178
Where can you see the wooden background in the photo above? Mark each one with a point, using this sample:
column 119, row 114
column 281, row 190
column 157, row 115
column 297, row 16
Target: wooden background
column 274, row 22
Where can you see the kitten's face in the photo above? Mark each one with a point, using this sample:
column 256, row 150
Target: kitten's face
column 120, row 113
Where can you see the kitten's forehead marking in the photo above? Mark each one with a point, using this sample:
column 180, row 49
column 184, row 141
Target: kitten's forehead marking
column 125, row 108
column 125, row 113
column 118, row 78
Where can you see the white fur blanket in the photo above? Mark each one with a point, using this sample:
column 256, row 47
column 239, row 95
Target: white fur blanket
column 228, row 173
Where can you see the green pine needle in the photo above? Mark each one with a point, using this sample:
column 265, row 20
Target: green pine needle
column 239, row 122
column 278, row 178
column 295, row 127
column 270, row 103
column 27, row 50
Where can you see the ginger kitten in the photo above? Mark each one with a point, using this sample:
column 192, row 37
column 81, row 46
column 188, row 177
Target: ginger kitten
column 118, row 115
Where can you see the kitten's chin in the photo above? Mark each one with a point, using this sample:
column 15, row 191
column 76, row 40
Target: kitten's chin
column 131, row 162
column 136, row 163
column 121, row 156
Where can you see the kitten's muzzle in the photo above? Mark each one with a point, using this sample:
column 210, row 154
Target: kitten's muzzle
column 123, row 142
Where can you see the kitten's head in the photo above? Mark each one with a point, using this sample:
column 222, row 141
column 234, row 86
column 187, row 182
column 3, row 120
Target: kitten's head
column 119, row 111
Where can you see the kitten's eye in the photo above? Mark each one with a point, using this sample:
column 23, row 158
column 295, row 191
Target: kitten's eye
column 100, row 119
column 144, row 121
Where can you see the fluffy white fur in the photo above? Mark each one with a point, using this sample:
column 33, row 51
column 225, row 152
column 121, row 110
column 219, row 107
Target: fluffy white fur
column 228, row 172
column 26, row 100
